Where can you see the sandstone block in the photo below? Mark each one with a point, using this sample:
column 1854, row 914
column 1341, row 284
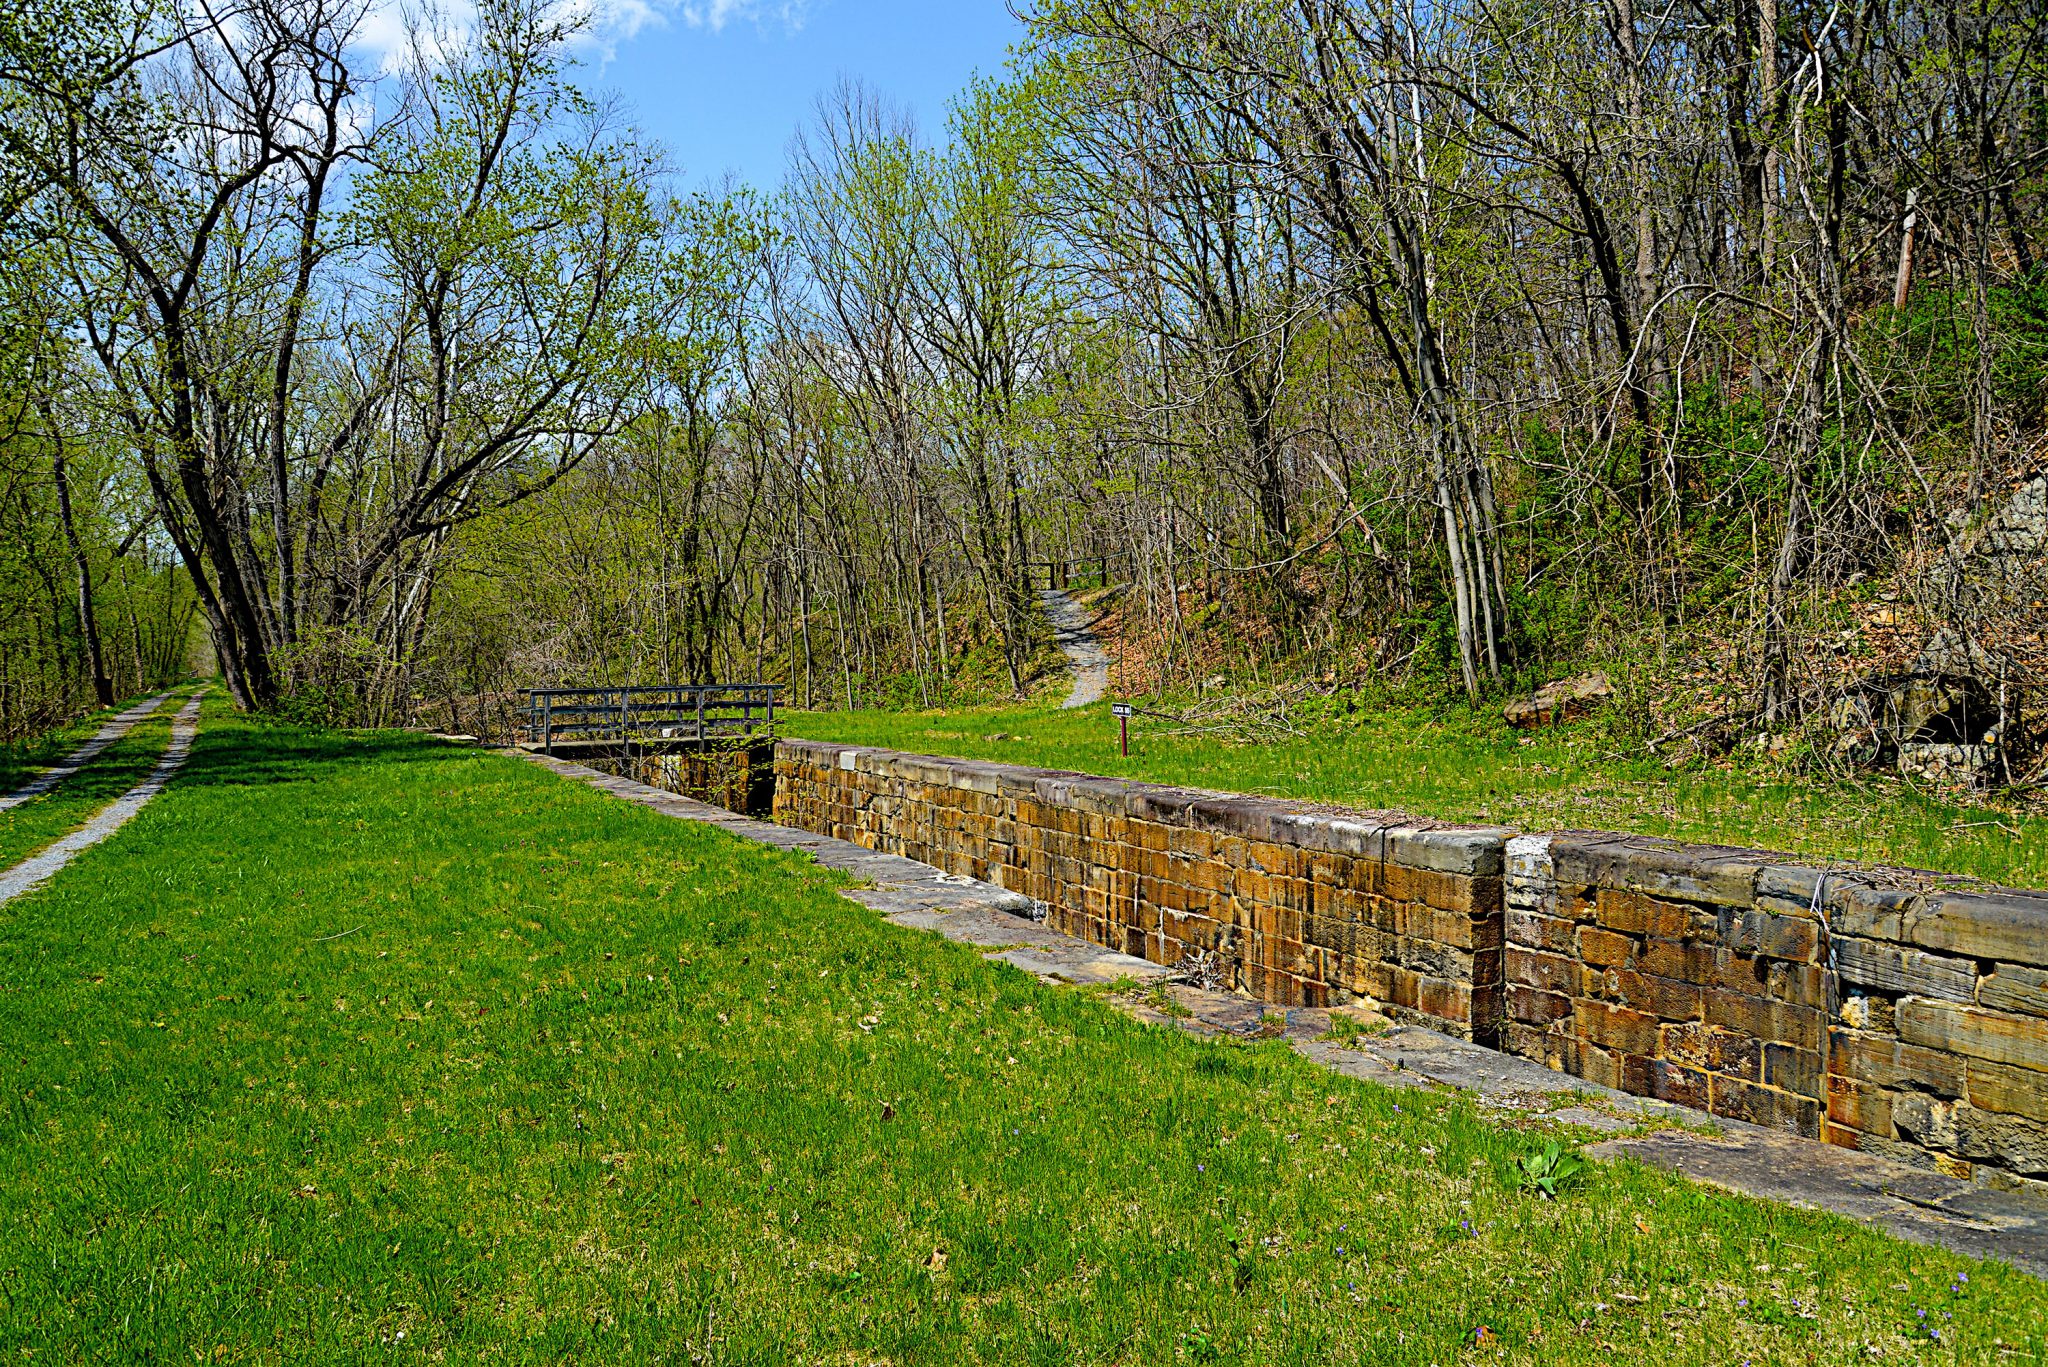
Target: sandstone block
column 1711, row 1049
column 1860, row 1106
column 1545, row 972
column 2020, row 1041
column 1605, row 949
column 1893, row 969
column 1795, row 937
column 2006, row 1090
column 1765, row 1019
column 1690, row 961
column 1665, row 1080
column 2015, row 988
column 1533, row 1006
column 1793, row 1070
column 1740, row 1100
column 1662, row 997
column 1478, row 852
column 1799, row 984
column 1619, row 1028
column 2013, row 1142
column 1535, row 931
column 2008, row 927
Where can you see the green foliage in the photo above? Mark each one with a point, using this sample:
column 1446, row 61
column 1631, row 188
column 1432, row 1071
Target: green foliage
column 1549, row 1171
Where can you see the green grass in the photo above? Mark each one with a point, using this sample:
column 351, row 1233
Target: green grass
column 116, row 769
column 1456, row 766
column 355, row 1047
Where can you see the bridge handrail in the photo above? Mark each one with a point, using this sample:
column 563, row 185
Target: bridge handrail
column 707, row 710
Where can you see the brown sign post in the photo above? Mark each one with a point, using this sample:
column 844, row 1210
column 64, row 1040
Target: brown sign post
column 1122, row 711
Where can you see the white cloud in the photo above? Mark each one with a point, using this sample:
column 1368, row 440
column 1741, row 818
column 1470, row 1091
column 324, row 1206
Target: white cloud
column 716, row 14
column 383, row 31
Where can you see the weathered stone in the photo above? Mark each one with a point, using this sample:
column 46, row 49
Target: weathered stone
column 1867, row 909
column 1532, row 1006
column 1531, row 930
column 1603, row 949
column 2021, row 1041
column 1546, row 972
column 1708, row 874
column 1476, row 853
column 1662, row 997
column 2008, row 1090
column 1712, row 1049
column 1559, row 701
column 1781, row 936
column 2013, row 1142
column 2017, row 989
column 1792, row 1070
column 1860, row 1106
column 1740, row 1100
column 1680, row 960
column 1666, row 1080
column 1615, row 1027
column 1766, row 1020
column 1889, row 968
column 2007, row 926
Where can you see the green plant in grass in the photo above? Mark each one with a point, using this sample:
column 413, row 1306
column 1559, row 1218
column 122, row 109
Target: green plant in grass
column 1347, row 1030
column 1549, row 1170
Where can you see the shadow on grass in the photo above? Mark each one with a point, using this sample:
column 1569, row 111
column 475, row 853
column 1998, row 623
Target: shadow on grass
column 252, row 752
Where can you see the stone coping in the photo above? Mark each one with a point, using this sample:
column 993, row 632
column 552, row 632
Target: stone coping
column 1395, row 837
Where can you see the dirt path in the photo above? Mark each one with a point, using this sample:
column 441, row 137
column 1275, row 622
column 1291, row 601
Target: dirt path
column 1084, row 652
column 37, row 869
column 117, row 727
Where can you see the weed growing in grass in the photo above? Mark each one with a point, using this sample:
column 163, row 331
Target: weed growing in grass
column 1548, row 1171
column 593, row 1084
column 1348, row 1030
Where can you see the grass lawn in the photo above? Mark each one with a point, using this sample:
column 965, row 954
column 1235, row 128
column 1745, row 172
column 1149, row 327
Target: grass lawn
column 116, row 769
column 358, row 1047
column 1455, row 766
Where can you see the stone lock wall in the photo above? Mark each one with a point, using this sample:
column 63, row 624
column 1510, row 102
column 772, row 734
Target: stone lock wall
column 1687, row 973
column 1301, row 905
column 1893, row 1011
column 739, row 778
column 1940, row 1042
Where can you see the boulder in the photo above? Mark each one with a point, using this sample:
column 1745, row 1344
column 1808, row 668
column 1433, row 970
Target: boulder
column 1948, row 709
column 1562, row 700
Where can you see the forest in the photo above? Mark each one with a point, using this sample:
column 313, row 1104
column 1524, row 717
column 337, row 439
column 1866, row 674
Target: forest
column 1367, row 350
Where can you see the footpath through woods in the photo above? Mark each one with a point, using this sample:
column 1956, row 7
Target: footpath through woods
column 1912, row 1203
column 39, row 867
column 1083, row 649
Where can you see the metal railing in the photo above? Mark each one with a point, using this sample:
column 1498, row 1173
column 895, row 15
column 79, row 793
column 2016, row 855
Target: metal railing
column 686, row 712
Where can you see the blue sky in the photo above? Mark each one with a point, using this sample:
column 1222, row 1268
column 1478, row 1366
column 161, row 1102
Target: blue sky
column 725, row 82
